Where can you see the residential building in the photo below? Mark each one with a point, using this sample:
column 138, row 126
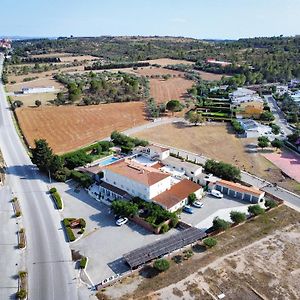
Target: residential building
column 236, row 190
column 182, row 167
column 152, row 152
column 282, row 89
column 177, row 196
column 136, row 179
column 242, row 95
column 254, row 129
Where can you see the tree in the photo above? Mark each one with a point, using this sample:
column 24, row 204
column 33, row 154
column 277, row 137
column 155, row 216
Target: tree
column 38, row 103
column 161, row 265
column 276, row 143
column 275, row 129
column 17, row 104
column 263, row 142
column 223, row 170
column 220, row 224
column 192, row 198
column 237, row 217
column 267, row 116
column 174, row 106
column 194, row 117
column 42, row 155
column 256, row 210
column 124, row 208
column 271, row 203
column 210, row 242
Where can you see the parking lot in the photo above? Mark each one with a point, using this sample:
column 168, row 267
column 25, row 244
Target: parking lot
column 213, row 207
column 103, row 242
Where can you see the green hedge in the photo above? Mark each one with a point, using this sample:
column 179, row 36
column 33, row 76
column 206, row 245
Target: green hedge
column 53, row 190
column 83, row 262
column 57, row 199
column 70, row 234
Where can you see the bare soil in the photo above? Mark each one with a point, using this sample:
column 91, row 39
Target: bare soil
column 168, row 61
column 174, row 88
column 70, row 127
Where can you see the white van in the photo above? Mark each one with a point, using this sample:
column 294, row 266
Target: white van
column 216, row 193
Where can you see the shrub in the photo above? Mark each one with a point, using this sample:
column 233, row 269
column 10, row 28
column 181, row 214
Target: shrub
column 53, row 190
column 84, row 179
column 70, row 234
column 21, row 294
column 18, row 214
column 22, row 274
column 164, row 228
column 223, row 170
column 161, row 265
column 256, row 210
column 237, row 217
column 220, row 224
column 210, row 242
column 57, row 199
column 271, row 203
column 188, row 253
column 83, row 262
column 82, row 223
column 192, row 198
column 66, row 222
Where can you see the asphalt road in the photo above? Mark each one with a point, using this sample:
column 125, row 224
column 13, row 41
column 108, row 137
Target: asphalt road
column 48, row 256
column 278, row 114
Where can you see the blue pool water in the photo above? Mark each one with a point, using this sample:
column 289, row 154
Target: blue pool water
column 108, row 161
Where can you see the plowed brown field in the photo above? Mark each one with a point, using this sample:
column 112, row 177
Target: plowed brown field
column 70, row 127
column 165, row 90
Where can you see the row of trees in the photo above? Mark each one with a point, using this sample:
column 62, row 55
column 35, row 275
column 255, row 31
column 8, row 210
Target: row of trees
column 222, row 170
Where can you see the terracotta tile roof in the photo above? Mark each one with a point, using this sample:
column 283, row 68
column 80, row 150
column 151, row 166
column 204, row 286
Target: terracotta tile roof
column 137, row 172
column 176, row 193
column 240, row 188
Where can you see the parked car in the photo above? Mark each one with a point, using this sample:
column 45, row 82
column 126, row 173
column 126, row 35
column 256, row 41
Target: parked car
column 198, row 204
column 188, row 209
column 121, row 221
column 216, row 193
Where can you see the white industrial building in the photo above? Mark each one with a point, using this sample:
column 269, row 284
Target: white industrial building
column 38, row 90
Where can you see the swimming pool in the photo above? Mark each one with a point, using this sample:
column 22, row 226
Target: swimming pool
column 108, row 161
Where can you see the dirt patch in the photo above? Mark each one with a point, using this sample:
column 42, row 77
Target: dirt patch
column 264, row 265
column 168, row 61
column 41, row 82
column 149, row 71
column 219, row 142
column 29, row 100
column 19, row 79
column 173, row 88
column 69, row 127
column 209, row 76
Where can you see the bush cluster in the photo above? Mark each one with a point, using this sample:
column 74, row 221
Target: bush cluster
column 223, row 170
column 210, row 242
column 238, row 128
column 56, row 197
column 161, row 265
column 83, row 262
column 125, row 142
column 256, row 210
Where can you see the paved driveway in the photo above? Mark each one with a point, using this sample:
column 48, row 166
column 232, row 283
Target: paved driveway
column 213, row 207
column 103, row 242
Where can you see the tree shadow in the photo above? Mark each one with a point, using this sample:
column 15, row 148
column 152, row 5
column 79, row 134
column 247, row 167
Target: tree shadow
column 148, row 272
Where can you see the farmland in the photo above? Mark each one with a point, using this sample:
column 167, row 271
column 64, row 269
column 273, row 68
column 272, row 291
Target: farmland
column 218, row 141
column 69, row 127
column 164, row 90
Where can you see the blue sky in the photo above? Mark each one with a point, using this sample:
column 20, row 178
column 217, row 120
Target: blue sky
column 191, row 18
